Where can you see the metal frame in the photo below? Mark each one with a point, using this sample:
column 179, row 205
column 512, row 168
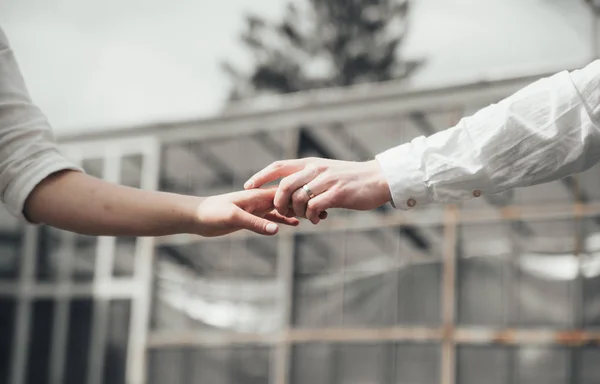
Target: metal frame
column 387, row 102
column 360, row 104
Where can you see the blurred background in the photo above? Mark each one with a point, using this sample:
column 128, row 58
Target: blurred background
column 194, row 97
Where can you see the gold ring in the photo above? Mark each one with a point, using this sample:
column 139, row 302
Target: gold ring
column 308, row 191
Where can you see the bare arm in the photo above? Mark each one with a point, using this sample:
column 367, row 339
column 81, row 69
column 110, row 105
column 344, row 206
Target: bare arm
column 80, row 203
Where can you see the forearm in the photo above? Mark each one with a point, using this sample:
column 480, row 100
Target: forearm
column 80, row 203
column 544, row 132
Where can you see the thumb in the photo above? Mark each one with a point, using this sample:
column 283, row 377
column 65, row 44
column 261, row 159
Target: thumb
column 254, row 223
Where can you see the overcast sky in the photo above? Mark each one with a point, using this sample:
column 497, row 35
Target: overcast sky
column 92, row 64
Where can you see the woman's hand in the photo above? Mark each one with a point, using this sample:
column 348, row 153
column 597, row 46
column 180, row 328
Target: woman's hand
column 334, row 184
column 252, row 210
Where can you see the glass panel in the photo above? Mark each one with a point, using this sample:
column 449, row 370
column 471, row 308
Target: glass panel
column 318, row 253
column 317, row 363
column 124, row 262
column 85, row 258
column 117, row 341
column 507, row 273
column 417, row 364
column 217, row 166
column 484, row 266
column 476, row 365
column 547, row 273
column 131, row 170
column 226, row 285
column 363, row 363
column 228, row 365
column 535, row 365
column 40, row 339
column 419, row 294
column 368, row 278
column 169, row 366
column 7, row 319
column 589, row 369
column 312, row 364
column 78, row 342
column 590, row 272
column 11, row 233
column 317, row 301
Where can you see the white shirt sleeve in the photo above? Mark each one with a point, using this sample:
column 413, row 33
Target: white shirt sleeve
column 27, row 151
column 546, row 131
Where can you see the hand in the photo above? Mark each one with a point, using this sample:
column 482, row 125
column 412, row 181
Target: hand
column 335, row 184
column 253, row 210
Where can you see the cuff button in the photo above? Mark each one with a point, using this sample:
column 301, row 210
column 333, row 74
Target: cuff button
column 477, row 193
column 411, row 202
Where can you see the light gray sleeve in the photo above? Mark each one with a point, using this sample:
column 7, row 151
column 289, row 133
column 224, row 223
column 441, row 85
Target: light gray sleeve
column 28, row 153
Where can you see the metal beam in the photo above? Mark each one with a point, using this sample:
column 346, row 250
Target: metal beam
column 315, row 108
column 420, row 218
column 460, row 335
column 265, row 140
column 286, row 247
column 224, row 173
column 449, row 297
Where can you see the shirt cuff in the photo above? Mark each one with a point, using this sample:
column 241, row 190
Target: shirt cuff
column 22, row 185
column 402, row 168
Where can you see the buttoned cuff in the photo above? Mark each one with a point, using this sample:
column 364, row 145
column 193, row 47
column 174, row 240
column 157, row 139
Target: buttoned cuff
column 402, row 168
column 22, row 185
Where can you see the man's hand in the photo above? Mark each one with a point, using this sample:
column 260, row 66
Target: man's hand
column 253, row 210
column 335, row 184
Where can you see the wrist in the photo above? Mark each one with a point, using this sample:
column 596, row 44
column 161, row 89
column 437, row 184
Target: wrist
column 379, row 182
column 186, row 214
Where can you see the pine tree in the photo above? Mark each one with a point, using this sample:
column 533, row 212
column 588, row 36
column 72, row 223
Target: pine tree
column 323, row 43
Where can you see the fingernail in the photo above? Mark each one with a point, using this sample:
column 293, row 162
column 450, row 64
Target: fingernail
column 249, row 184
column 272, row 228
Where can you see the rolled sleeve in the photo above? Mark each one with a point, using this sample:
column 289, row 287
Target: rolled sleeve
column 28, row 153
column 544, row 132
column 402, row 169
column 27, row 176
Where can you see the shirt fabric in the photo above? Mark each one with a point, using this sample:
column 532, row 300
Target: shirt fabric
column 544, row 132
column 28, row 153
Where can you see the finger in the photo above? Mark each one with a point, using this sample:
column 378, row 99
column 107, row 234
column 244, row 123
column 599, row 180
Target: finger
column 275, row 171
column 245, row 220
column 317, row 206
column 260, row 200
column 299, row 200
column 290, row 184
column 275, row 217
column 301, row 197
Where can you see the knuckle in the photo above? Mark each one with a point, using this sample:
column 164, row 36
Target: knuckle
column 285, row 186
column 313, row 206
column 300, row 196
column 276, row 164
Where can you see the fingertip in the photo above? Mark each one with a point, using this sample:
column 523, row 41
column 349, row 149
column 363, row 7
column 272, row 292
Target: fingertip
column 249, row 184
column 272, row 228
